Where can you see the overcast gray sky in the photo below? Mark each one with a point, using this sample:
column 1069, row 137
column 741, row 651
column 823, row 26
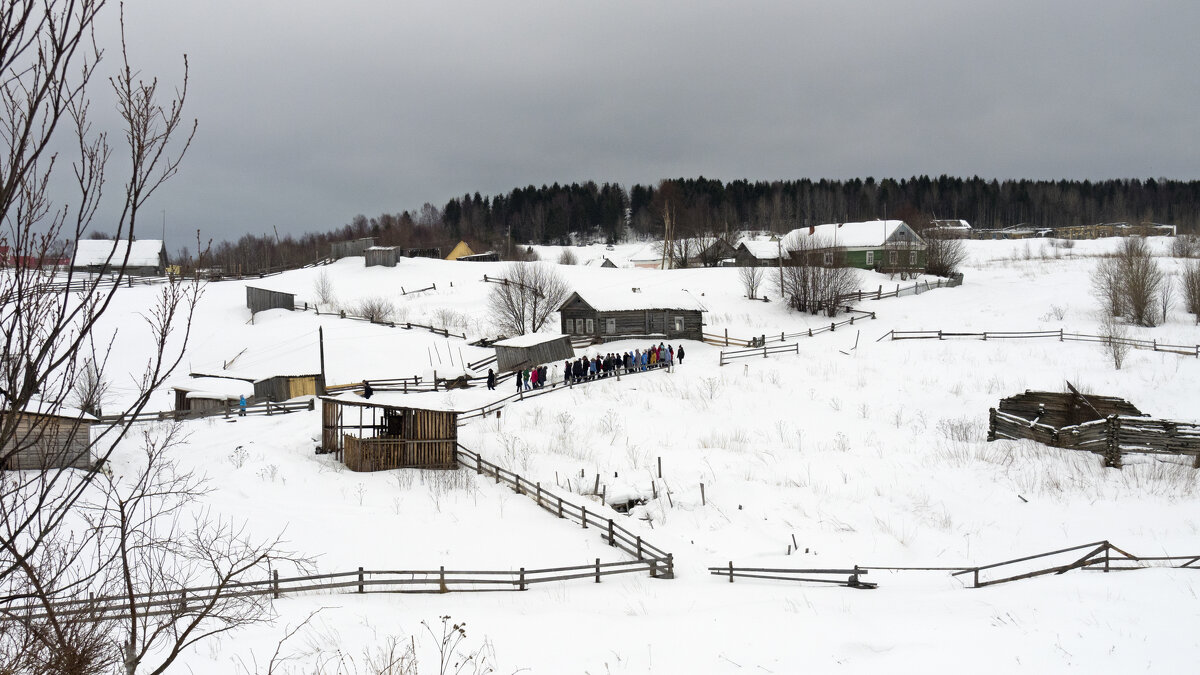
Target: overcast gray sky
column 312, row 111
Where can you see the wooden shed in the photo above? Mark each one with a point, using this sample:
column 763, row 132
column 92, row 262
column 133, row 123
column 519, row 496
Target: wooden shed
column 285, row 387
column 211, row 393
column 615, row 314
column 381, row 256
column 534, row 349
column 376, row 437
column 345, row 249
column 53, row 438
column 260, row 299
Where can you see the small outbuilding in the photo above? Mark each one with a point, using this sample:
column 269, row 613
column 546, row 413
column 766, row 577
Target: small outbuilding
column 204, row 394
column 47, row 437
column 490, row 256
column 601, row 262
column 534, row 349
column 758, row 253
column 261, row 299
column 146, row 257
column 432, row 252
column 368, row 436
column 286, row 387
column 616, row 314
column 346, row 249
column 381, row 256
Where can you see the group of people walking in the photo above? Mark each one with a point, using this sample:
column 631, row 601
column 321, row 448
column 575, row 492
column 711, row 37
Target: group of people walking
column 596, row 367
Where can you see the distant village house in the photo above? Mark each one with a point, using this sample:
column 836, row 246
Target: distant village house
column 146, row 257
column 614, row 314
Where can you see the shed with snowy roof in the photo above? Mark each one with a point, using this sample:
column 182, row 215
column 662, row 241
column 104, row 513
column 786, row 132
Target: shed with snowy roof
column 46, row 436
column 534, row 349
column 202, row 394
column 611, row 314
column 143, row 257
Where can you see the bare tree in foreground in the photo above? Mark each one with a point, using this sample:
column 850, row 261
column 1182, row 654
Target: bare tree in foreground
column 944, row 253
column 530, row 293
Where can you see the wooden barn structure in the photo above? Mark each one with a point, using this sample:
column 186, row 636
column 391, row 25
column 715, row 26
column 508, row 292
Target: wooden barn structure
column 490, row 256
column 49, row 438
column 345, row 249
column 368, row 436
column 534, row 349
column 285, row 387
column 381, row 256
column 260, row 299
column 615, row 314
column 144, row 257
column 1105, row 425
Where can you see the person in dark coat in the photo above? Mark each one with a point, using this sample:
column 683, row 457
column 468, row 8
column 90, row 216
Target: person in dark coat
column 367, row 390
column 491, row 381
column 518, row 379
column 679, row 355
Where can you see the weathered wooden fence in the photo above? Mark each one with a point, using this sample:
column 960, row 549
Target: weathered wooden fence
column 1060, row 335
column 1099, row 556
column 821, row 576
column 1111, row 437
column 726, row 340
column 659, row 563
column 764, row 351
column 263, row 408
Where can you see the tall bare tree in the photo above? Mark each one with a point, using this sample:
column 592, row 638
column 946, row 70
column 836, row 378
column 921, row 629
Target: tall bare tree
column 49, row 60
column 814, row 275
column 529, row 294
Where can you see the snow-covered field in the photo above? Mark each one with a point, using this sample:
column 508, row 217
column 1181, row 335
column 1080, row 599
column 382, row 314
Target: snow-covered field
column 873, row 455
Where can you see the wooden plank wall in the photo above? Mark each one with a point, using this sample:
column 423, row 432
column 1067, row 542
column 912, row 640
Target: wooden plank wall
column 49, row 442
column 511, row 358
column 259, row 299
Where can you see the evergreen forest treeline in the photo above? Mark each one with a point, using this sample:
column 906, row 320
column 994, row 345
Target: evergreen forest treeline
column 558, row 214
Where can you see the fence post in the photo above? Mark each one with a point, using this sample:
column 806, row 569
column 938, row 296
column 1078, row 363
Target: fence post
column 1060, row 335
column 522, row 582
column 275, row 583
column 975, row 584
column 360, row 580
column 612, row 540
column 832, row 327
column 764, row 351
column 539, row 492
column 670, row 565
column 583, row 516
column 560, row 513
column 442, row 579
column 731, row 571
column 639, row 547
column 727, row 340
column 597, row 570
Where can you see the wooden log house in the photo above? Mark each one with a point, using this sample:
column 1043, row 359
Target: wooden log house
column 368, row 436
column 286, row 387
column 619, row 314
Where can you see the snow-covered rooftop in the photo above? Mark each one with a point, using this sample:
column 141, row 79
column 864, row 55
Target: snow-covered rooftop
column 614, row 300
column 849, row 235
column 215, row 387
column 761, row 249
column 527, row 340
column 142, row 253
column 51, row 409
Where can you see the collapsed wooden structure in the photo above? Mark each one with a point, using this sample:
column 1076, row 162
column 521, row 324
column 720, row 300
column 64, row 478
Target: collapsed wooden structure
column 1105, row 425
column 369, row 436
column 532, row 349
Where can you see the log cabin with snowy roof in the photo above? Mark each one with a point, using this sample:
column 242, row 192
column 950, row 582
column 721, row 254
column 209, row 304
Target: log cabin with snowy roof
column 634, row 313
column 146, row 257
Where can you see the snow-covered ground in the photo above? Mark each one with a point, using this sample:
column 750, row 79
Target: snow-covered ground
column 862, row 452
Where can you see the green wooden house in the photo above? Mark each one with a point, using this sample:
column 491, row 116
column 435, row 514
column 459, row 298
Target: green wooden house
column 887, row 246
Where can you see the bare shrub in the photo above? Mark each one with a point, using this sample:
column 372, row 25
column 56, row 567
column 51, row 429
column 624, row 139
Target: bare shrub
column 567, row 257
column 529, row 294
column 1129, row 284
column 1190, row 283
column 376, row 310
column 1115, row 340
column 1185, row 246
column 323, row 288
column 751, row 277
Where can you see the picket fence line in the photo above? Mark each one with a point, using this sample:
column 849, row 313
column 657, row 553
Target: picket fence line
column 1060, row 335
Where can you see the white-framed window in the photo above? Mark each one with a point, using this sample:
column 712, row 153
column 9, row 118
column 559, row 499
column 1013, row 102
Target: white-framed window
column 828, row 258
column 591, row 327
column 891, row 257
column 912, row 258
column 679, row 324
column 579, row 326
column 870, row 257
column 610, row 326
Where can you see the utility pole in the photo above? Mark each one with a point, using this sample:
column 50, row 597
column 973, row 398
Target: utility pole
column 782, row 294
column 321, row 342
